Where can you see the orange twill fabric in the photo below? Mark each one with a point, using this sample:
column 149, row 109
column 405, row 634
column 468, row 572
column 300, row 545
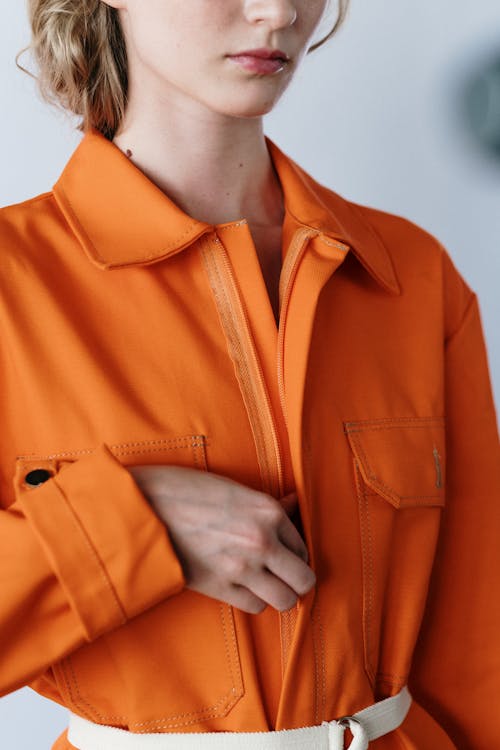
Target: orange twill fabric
column 134, row 334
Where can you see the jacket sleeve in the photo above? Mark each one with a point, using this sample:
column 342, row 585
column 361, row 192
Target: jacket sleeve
column 80, row 554
column 456, row 667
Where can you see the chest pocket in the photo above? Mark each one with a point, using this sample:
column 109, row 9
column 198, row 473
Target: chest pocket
column 400, row 473
column 175, row 665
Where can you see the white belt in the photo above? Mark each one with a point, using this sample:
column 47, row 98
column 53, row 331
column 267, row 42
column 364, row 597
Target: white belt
column 368, row 724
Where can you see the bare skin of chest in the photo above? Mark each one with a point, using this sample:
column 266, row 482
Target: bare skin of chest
column 267, row 242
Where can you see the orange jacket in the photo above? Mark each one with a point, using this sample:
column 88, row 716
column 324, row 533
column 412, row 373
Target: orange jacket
column 133, row 334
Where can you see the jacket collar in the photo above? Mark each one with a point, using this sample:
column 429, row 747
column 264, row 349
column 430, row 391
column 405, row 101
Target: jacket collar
column 122, row 218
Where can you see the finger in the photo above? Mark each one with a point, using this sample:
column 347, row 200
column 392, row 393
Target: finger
column 290, row 569
column 289, row 502
column 267, row 587
column 242, row 598
column 233, row 593
column 289, row 535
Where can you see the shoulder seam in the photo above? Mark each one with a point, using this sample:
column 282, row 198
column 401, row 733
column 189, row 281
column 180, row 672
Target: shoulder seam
column 34, row 199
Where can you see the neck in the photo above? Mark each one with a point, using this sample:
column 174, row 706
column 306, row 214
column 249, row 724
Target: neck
column 215, row 167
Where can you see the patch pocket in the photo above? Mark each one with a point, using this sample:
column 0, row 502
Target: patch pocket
column 400, row 474
column 174, row 666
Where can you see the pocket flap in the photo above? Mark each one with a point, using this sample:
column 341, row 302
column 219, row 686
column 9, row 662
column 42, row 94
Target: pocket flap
column 401, row 459
column 181, row 450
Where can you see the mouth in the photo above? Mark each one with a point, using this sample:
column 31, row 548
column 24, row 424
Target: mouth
column 264, row 53
column 261, row 61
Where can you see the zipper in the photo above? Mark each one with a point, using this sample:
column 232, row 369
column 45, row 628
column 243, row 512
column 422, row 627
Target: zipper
column 235, row 323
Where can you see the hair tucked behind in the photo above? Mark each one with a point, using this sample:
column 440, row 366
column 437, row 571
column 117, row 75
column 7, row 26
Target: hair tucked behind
column 79, row 49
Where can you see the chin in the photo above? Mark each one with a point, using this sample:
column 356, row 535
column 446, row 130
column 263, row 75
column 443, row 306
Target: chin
column 249, row 99
column 250, row 112
column 248, row 107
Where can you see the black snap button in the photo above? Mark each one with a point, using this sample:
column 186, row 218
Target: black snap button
column 37, row 476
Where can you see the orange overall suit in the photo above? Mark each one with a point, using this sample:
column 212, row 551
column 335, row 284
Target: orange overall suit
column 134, row 334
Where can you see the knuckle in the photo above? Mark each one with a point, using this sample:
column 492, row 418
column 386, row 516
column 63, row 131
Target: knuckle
column 257, row 536
column 259, row 540
column 270, row 508
column 235, row 566
column 274, row 513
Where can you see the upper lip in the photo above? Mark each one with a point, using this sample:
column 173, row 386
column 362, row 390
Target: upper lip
column 264, row 53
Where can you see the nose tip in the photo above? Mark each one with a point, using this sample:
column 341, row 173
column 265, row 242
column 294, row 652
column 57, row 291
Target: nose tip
column 278, row 14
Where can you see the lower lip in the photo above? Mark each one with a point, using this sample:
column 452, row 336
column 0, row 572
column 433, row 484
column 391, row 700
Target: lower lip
column 260, row 65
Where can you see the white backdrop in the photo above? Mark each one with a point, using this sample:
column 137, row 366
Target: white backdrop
column 373, row 115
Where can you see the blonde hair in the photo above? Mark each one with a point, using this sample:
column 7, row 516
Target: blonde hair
column 79, row 49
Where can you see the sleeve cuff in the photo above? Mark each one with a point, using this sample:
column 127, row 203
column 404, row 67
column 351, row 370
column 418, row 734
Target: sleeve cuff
column 110, row 551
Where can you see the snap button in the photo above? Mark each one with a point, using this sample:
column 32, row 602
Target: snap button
column 37, row 476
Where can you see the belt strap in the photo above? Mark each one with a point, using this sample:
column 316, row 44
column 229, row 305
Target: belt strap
column 366, row 725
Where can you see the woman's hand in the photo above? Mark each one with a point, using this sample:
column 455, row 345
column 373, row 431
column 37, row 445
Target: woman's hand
column 234, row 543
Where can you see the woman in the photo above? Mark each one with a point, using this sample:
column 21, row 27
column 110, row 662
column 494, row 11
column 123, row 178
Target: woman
column 251, row 472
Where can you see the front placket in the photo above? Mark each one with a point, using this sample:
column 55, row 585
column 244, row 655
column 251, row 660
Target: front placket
column 271, row 375
column 307, row 268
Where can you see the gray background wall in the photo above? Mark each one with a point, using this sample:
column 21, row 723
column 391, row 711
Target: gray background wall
column 374, row 116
